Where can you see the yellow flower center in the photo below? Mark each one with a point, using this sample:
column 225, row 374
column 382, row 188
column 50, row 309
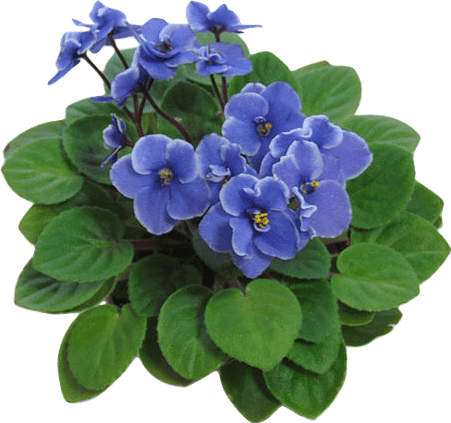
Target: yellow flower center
column 166, row 176
column 260, row 219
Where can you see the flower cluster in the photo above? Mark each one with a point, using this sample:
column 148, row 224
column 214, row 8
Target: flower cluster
column 270, row 182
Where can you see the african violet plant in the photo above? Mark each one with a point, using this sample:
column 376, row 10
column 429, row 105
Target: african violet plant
column 214, row 210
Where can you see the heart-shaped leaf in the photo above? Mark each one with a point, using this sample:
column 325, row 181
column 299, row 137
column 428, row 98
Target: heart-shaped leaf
column 102, row 344
column 258, row 327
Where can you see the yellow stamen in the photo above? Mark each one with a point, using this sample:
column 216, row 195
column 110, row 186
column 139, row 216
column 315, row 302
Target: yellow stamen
column 260, row 219
column 166, row 176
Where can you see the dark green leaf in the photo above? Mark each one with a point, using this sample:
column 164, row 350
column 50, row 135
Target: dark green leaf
column 102, row 344
column 154, row 361
column 352, row 317
column 246, row 388
column 374, row 278
column 312, row 262
column 425, row 203
column 258, row 327
column 40, row 172
column 39, row 292
column 383, row 323
column 304, row 392
column 83, row 244
column 182, row 336
column 154, row 278
column 381, row 192
column 194, row 107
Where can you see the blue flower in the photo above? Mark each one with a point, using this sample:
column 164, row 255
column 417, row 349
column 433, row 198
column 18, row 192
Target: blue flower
column 223, row 59
column 219, row 161
column 324, row 208
column 126, row 83
column 163, row 47
column 114, row 138
column 253, row 224
column 221, row 20
column 257, row 114
column 345, row 155
column 162, row 176
column 107, row 21
column 73, row 45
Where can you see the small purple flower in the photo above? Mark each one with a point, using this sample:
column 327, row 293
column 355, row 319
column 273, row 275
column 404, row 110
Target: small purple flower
column 324, row 208
column 73, row 45
column 163, row 47
column 107, row 21
column 221, row 20
column 223, row 59
column 114, row 138
column 162, row 176
column 253, row 224
column 220, row 160
column 257, row 114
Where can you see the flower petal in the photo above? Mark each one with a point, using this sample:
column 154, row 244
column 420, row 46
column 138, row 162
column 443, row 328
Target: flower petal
column 242, row 236
column 149, row 154
column 182, row 159
column 253, row 265
column 215, row 229
column 233, row 196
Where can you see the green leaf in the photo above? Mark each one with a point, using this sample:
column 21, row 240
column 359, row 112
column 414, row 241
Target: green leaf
column 381, row 192
column 83, row 244
column 312, row 67
column 319, row 310
column 312, row 262
column 154, row 278
column 383, row 323
column 40, row 172
column 352, row 317
column 304, row 392
column 72, row 390
column 246, row 388
column 102, row 344
column 374, row 278
column 258, row 327
column 39, row 292
column 84, row 144
column 425, row 203
column 182, row 336
column 383, row 130
column 39, row 216
column 415, row 238
column 154, row 361
column 267, row 68
column 194, row 107
column 334, row 91
column 43, row 131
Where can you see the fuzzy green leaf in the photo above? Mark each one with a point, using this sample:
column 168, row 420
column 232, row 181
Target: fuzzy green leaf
column 425, row 203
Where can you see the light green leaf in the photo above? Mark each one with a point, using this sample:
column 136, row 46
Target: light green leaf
column 87, row 108
column 267, row 68
column 154, row 278
column 374, row 278
column 425, row 203
column 40, row 172
column 312, row 262
column 83, row 244
column 39, row 292
column 415, row 238
column 334, row 91
column 102, row 344
column 381, row 192
column 258, row 327
column 304, row 392
column 246, row 388
column 182, row 336
column 383, row 130
column 382, row 324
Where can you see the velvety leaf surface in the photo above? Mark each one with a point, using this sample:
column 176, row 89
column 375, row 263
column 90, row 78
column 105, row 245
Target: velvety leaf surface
column 352, row 317
column 257, row 327
column 87, row 108
column 182, row 336
column 425, row 203
column 102, row 344
column 83, row 244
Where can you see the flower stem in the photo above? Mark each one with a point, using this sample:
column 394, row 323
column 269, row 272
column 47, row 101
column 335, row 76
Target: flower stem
column 99, row 72
column 218, row 94
column 225, row 93
column 178, row 125
column 145, row 244
column 116, row 49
